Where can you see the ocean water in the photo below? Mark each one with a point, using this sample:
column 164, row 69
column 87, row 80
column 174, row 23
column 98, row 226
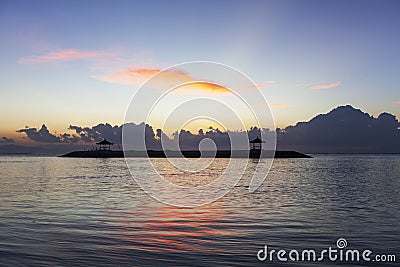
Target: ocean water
column 90, row 212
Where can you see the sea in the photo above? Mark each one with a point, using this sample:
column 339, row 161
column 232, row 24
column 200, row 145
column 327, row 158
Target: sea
column 92, row 212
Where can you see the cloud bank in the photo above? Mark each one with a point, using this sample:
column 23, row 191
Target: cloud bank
column 343, row 130
column 6, row 140
column 42, row 135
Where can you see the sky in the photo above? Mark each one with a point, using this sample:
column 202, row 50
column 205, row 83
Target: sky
column 80, row 62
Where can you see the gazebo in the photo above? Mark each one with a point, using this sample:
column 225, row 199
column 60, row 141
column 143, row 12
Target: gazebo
column 256, row 144
column 105, row 145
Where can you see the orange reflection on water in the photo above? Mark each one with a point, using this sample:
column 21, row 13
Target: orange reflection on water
column 165, row 228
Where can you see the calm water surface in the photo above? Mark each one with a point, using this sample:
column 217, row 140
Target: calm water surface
column 69, row 212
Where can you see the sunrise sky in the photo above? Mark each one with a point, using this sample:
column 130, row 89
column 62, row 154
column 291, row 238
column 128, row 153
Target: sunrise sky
column 79, row 62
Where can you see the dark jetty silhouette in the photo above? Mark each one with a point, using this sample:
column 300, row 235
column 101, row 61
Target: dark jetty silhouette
column 185, row 153
column 255, row 151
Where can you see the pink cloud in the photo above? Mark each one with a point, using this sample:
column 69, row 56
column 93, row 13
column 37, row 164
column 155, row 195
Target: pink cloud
column 325, row 86
column 398, row 102
column 265, row 84
column 64, row 55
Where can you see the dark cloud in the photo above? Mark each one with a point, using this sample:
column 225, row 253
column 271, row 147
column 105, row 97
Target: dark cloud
column 99, row 132
column 6, row 140
column 154, row 139
column 343, row 130
column 41, row 135
column 237, row 140
column 69, row 138
column 142, row 136
column 188, row 140
column 114, row 133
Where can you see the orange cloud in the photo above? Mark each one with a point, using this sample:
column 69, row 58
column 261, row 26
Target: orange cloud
column 64, row 55
column 202, row 86
column 165, row 80
column 325, row 86
column 137, row 76
column 279, row 105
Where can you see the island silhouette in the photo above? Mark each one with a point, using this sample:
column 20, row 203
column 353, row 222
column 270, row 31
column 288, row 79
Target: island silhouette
column 104, row 151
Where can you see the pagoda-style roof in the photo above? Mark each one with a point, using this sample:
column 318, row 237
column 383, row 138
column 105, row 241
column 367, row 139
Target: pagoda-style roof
column 256, row 141
column 104, row 142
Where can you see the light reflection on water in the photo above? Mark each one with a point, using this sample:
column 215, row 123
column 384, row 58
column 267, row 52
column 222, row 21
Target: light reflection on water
column 63, row 211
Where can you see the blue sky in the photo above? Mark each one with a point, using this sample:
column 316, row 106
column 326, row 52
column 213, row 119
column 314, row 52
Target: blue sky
column 310, row 56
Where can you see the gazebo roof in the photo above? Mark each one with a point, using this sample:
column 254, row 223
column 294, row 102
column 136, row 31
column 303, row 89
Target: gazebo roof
column 257, row 140
column 104, row 142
